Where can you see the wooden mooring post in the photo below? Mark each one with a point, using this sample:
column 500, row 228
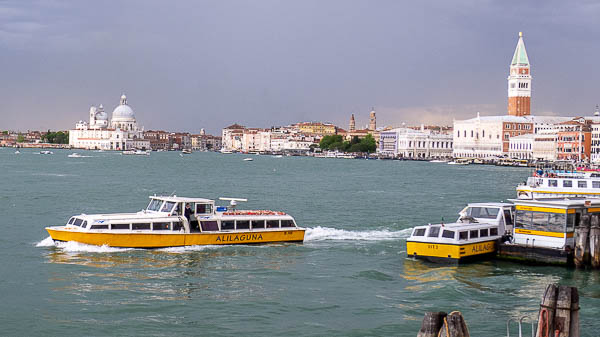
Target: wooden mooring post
column 582, row 247
column 559, row 312
column 595, row 241
column 440, row 324
column 432, row 323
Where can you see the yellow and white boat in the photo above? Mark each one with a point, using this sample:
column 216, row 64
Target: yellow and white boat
column 171, row 221
column 475, row 234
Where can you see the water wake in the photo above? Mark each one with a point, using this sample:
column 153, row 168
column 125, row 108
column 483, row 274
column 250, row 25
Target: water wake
column 73, row 246
column 187, row 249
column 325, row 233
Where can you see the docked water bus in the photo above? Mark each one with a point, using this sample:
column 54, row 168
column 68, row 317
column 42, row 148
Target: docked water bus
column 560, row 184
column 171, row 221
column 475, row 234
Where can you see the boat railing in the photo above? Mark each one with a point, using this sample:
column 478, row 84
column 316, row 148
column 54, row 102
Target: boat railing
column 520, row 325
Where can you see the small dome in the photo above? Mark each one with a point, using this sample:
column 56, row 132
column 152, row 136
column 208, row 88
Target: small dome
column 101, row 115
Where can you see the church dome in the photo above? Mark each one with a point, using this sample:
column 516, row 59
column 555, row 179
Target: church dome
column 123, row 112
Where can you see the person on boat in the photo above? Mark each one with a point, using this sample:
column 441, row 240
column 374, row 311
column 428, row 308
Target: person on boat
column 188, row 211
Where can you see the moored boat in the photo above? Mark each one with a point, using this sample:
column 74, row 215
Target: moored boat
column 560, row 184
column 136, row 152
column 474, row 235
column 171, row 221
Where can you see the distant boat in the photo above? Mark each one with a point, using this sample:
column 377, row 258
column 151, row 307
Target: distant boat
column 438, row 161
column 186, row 151
column 46, row 152
column 74, row 155
column 136, row 152
column 17, row 152
column 248, row 159
column 278, row 156
column 226, row 152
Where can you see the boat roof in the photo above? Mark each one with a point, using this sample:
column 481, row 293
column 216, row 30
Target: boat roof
column 175, row 198
column 557, row 202
column 487, row 204
column 460, row 225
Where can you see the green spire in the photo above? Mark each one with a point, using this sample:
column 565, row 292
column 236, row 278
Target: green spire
column 520, row 56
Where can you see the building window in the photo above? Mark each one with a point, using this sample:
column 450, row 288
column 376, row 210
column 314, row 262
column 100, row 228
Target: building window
column 483, row 134
column 471, row 133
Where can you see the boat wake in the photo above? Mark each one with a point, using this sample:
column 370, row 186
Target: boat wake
column 188, row 249
column 325, row 233
column 75, row 247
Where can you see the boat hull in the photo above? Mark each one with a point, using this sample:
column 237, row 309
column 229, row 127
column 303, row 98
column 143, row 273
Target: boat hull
column 450, row 253
column 162, row 240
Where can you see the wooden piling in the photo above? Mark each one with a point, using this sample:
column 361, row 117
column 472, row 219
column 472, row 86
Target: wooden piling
column 574, row 329
column 562, row 316
column 546, row 315
column 454, row 326
column 582, row 249
column 594, row 239
column 432, row 323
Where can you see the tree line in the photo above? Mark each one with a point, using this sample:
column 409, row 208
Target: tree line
column 336, row 142
column 56, row 137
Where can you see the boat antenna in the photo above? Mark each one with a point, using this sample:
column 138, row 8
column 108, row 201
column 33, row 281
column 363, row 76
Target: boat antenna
column 173, row 193
column 233, row 201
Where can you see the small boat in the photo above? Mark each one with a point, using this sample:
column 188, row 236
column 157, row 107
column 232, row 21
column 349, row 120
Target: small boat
column 136, row 152
column 460, row 161
column 186, row 151
column 46, row 152
column 75, row 155
column 248, row 159
column 474, row 235
column 560, row 184
column 17, row 152
column 172, row 221
column 226, row 151
column 278, row 156
column 438, row 161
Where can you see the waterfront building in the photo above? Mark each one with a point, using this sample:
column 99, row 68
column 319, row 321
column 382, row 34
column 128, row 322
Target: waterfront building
column 521, row 147
column 488, row 136
column 574, row 142
column 231, row 137
column 544, row 146
column 120, row 133
column 204, row 142
column 316, row 128
column 415, row 144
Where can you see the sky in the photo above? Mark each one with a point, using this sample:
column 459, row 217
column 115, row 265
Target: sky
column 186, row 65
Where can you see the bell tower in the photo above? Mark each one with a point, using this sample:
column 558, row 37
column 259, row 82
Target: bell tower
column 519, row 82
column 352, row 126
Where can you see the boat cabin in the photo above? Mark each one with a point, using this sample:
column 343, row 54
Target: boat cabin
column 550, row 223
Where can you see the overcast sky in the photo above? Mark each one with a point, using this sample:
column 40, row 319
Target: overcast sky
column 186, row 65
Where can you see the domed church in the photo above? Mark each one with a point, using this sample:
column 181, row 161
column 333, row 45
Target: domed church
column 122, row 133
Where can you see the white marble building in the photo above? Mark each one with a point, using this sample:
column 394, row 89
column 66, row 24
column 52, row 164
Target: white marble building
column 410, row 143
column 120, row 133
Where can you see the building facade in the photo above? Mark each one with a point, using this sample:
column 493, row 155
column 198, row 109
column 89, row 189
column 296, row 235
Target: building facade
column 415, row 144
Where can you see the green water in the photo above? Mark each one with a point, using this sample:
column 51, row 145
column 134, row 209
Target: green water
column 349, row 278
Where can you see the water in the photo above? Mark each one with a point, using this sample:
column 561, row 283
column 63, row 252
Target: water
column 350, row 277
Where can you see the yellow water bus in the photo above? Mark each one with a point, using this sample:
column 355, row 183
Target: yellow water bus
column 171, row 221
column 475, row 234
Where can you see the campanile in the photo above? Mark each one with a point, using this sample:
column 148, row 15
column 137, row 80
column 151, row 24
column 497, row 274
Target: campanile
column 519, row 82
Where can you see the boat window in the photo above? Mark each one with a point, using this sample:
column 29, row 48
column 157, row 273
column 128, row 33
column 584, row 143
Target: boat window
column 434, row 232
column 567, row 183
column 258, row 224
column 71, row 221
column 227, row 225
column 203, row 208
column 483, row 212
column 493, row 231
column 448, row 234
column 138, row 226
column 508, row 217
column 463, row 235
column 160, row 226
column 177, row 226
column 272, row 223
column 419, row 232
column 99, row 227
column 119, row 226
column 474, row 234
column 483, row 232
column 209, row 226
column 571, row 219
column 77, row 222
column 539, row 221
column 287, row 223
column 553, row 183
column 84, row 224
column 595, row 184
column 581, row 183
column 154, row 205
column 242, row 224
column 168, row 206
